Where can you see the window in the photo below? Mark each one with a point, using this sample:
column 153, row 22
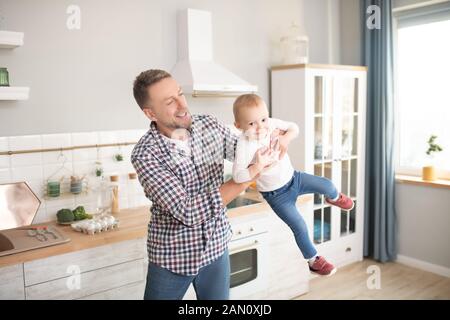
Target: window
column 422, row 92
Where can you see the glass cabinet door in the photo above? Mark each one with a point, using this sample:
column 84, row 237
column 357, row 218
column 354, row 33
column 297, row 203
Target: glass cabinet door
column 335, row 151
column 323, row 154
column 348, row 100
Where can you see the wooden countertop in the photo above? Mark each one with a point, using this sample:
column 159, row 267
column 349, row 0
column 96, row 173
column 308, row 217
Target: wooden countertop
column 133, row 225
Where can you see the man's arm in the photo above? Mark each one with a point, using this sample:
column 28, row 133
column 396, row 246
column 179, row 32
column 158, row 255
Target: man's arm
column 230, row 190
column 165, row 190
column 229, row 141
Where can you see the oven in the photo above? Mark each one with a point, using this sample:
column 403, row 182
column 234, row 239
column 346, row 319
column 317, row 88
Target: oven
column 248, row 259
column 248, row 250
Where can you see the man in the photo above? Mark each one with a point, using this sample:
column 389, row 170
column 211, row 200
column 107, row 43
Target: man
column 179, row 162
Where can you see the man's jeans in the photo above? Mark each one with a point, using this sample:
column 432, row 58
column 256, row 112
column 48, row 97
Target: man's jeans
column 282, row 201
column 211, row 283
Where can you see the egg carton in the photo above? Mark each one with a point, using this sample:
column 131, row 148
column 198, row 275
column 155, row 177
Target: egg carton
column 96, row 225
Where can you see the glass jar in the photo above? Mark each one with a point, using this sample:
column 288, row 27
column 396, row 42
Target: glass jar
column 4, row 77
column 295, row 46
column 104, row 196
column 114, row 194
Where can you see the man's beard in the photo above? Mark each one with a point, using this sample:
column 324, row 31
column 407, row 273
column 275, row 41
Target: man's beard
column 180, row 125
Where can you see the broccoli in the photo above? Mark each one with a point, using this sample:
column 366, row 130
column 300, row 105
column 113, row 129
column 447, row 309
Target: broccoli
column 80, row 214
column 65, row 215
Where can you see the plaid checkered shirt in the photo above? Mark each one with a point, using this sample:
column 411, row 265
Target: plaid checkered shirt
column 188, row 228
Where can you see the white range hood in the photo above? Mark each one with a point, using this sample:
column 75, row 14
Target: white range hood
column 196, row 71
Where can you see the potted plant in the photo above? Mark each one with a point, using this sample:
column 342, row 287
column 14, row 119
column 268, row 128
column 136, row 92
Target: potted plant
column 98, row 169
column 429, row 172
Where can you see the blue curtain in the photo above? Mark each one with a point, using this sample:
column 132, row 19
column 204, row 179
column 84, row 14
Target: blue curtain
column 380, row 225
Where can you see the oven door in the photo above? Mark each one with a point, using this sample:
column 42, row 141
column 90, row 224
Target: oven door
column 248, row 266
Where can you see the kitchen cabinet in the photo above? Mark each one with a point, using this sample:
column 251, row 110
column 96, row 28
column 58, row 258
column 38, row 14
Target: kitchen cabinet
column 11, row 283
column 282, row 270
column 289, row 274
column 114, row 265
column 116, row 271
column 328, row 104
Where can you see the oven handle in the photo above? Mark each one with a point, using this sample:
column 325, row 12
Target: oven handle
column 246, row 246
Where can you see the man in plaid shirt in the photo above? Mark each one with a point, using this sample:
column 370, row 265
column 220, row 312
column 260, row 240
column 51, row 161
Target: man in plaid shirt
column 179, row 162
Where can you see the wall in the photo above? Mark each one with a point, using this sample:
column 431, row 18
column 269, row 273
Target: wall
column 351, row 32
column 37, row 168
column 81, row 80
column 423, row 223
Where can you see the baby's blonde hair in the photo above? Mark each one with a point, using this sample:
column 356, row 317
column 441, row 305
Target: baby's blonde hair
column 245, row 101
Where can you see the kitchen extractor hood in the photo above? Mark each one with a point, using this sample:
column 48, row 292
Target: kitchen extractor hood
column 196, row 71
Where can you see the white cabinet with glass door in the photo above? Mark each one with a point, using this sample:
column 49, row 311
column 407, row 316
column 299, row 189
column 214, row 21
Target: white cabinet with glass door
column 328, row 104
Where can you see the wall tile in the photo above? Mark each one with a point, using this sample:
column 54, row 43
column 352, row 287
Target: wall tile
column 26, row 159
column 108, row 153
column 85, row 168
column 60, row 140
column 4, row 146
column 27, row 173
column 57, row 171
column 80, row 155
column 25, row 142
column 133, row 135
column 38, row 188
column 84, row 138
column 110, row 137
column 37, row 167
column 41, row 215
column 57, row 157
column 5, row 175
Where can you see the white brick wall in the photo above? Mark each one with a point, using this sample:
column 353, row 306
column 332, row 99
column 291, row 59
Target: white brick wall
column 36, row 168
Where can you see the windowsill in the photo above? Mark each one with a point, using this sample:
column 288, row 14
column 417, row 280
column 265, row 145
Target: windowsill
column 440, row 183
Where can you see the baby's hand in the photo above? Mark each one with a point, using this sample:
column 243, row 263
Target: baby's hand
column 264, row 157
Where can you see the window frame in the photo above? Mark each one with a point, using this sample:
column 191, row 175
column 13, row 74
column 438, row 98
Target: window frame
column 406, row 18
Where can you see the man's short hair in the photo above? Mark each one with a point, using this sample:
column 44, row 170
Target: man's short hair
column 143, row 81
column 244, row 101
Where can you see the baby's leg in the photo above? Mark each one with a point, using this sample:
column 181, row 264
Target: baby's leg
column 315, row 184
column 287, row 211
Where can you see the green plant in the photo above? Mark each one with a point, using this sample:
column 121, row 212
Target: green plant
column 432, row 146
column 65, row 215
column 118, row 157
column 98, row 172
column 80, row 213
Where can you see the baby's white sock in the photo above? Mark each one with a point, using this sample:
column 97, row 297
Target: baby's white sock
column 311, row 261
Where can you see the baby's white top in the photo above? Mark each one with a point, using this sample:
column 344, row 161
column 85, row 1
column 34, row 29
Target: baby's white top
column 270, row 179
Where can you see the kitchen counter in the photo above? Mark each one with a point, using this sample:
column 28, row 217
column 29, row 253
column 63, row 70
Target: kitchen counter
column 133, row 225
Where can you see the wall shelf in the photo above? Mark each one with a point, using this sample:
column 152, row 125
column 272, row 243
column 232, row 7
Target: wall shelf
column 14, row 93
column 10, row 39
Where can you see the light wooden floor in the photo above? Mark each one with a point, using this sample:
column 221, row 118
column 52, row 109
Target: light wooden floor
column 397, row 282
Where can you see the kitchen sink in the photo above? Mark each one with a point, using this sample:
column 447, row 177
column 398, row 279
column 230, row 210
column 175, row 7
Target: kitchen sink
column 29, row 238
column 18, row 207
column 241, row 201
column 5, row 243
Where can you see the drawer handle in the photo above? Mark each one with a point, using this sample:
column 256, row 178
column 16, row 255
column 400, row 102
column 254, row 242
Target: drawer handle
column 348, row 249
